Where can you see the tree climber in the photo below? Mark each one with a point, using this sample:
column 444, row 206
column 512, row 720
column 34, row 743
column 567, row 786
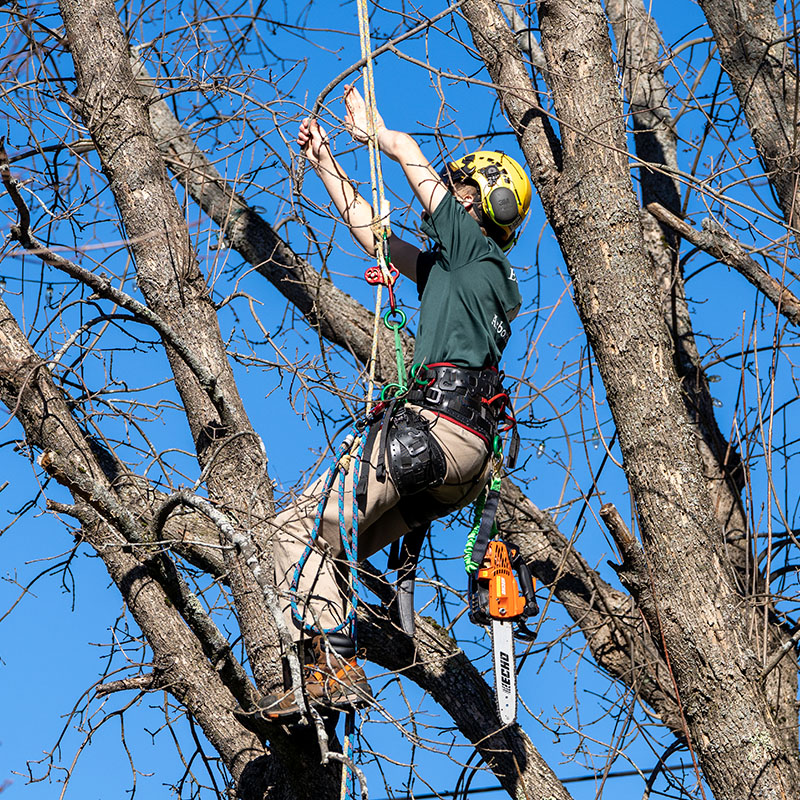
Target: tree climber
column 433, row 454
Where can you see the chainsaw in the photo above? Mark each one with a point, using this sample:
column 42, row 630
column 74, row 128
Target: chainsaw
column 495, row 600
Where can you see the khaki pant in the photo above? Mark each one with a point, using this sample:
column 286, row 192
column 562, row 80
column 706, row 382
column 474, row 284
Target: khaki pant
column 321, row 597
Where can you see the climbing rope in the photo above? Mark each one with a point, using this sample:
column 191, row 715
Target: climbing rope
column 383, row 274
column 349, row 453
column 381, row 224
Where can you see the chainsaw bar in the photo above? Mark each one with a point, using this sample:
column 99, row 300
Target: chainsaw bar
column 505, row 670
column 496, row 602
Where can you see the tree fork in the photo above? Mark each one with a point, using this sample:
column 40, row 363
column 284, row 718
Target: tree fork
column 594, row 213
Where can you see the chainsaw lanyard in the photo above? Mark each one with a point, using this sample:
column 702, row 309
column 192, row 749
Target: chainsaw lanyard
column 484, row 527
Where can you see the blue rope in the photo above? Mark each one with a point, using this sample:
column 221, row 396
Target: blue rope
column 349, row 538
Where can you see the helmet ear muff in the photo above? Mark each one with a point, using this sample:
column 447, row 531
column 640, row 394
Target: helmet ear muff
column 503, row 206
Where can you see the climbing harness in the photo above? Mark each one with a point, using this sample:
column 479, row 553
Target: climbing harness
column 473, row 398
column 493, row 591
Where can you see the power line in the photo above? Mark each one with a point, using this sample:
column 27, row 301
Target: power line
column 629, row 773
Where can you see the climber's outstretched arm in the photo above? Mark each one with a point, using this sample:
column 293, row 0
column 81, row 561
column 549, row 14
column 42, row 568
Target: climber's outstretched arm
column 400, row 147
column 353, row 208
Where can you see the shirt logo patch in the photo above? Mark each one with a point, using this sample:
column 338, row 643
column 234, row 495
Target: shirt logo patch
column 499, row 327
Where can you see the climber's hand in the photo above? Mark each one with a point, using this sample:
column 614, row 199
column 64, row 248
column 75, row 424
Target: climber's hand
column 312, row 139
column 355, row 120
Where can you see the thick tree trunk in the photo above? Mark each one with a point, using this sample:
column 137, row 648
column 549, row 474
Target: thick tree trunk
column 592, row 208
column 167, row 273
column 655, row 141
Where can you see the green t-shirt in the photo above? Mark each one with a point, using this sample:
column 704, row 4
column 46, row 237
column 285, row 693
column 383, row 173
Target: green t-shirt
column 467, row 290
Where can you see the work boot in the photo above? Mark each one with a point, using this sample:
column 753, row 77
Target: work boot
column 333, row 680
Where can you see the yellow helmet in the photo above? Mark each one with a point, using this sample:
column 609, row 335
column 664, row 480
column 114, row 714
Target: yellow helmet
column 505, row 191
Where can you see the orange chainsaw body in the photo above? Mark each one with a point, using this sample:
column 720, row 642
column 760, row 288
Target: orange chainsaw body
column 505, row 600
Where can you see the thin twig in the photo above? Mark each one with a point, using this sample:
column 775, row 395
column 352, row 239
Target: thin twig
column 776, row 657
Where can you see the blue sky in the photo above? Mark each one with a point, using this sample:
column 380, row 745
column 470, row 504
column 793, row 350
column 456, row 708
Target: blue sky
column 52, row 645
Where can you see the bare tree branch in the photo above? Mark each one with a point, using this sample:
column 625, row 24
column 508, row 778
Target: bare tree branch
column 339, row 318
column 754, row 54
column 715, row 241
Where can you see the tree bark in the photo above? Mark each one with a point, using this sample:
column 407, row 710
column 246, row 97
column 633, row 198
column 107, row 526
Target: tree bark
column 753, row 51
column 167, row 273
column 655, row 141
column 593, row 211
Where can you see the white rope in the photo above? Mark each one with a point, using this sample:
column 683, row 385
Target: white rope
column 380, row 228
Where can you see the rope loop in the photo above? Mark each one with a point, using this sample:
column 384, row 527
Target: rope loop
column 418, row 368
column 392, row 391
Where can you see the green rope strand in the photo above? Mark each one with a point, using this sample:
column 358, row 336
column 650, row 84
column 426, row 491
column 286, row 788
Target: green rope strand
column 469, row 565
column 402, row 379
